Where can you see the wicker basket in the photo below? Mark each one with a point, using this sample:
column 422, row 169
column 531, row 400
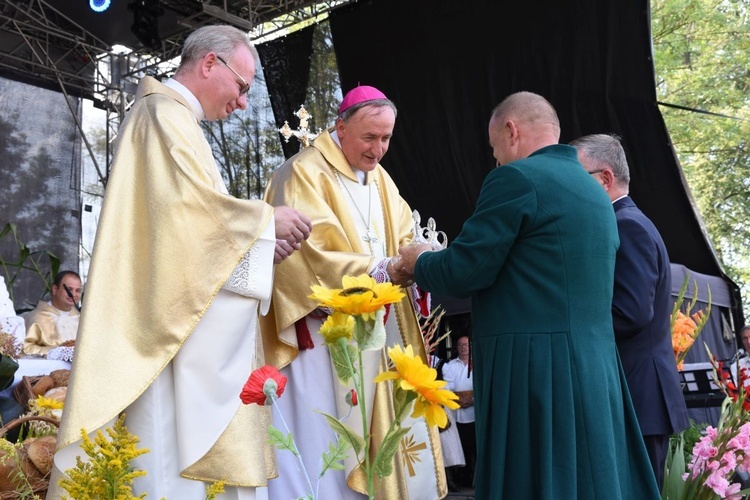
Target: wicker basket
column 23, row 391
column 39, row 486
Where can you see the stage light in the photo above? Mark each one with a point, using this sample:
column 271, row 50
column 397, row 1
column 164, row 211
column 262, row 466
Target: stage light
column 99, row 5
column 145, row 26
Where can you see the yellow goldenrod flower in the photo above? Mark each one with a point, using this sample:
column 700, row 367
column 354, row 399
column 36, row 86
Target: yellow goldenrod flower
column 107, row 473
column 413, row 375
column 360, row 296
column 336, row 326
column 214, row 489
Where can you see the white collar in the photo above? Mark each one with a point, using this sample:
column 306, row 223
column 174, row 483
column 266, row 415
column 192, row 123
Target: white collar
column 195, row 104
column 618, row 199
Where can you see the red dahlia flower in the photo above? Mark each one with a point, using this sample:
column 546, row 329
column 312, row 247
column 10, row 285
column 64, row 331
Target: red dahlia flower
column 263, row 383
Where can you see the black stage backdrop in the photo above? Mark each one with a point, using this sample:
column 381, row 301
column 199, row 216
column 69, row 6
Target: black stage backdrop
column 446, row 64
column 286, row 66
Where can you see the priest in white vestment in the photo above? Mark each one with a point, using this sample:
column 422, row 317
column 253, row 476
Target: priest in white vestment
column 168, row 334
column 359, row 221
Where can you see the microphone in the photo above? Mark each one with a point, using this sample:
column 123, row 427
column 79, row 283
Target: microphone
column 70, row 294
column 737, row 356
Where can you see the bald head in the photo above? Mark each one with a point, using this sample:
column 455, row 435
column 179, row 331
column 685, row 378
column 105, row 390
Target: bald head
column 527, row 108
column 523, row 123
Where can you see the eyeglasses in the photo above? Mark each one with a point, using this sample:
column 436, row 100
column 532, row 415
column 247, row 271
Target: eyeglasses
column 245, row 86
column 597, row 171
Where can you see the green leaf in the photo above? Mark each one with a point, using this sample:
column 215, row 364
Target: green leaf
column 282, row 441
column 374, row 337
column 674, row 468
column 342, row 355
column 384, row 459
column 334, row 457
column 402, row 402
column 9, row 227
column 347, row 434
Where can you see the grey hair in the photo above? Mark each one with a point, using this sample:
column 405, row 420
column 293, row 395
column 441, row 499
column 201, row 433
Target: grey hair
column 527, row 107
column 605, row 150
column 375, row 103
column 221, row 39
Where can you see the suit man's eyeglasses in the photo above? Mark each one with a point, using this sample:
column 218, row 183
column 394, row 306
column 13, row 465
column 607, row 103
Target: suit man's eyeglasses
column 245, row 86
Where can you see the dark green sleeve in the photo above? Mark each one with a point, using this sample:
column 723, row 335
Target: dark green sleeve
column 507, row 203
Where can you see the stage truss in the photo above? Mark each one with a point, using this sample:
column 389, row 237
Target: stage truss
column 49, row 43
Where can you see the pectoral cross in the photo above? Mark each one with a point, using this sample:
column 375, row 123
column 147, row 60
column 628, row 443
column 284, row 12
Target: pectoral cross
column 370, row 238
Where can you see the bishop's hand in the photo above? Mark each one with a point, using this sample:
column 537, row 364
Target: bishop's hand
column 409, row 255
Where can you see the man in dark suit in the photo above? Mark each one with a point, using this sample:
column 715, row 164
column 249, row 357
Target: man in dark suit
column 641, row 303
column 553, row 417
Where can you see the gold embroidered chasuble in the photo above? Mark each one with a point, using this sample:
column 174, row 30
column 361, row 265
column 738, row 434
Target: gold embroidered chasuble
column 309, row 183
column 166, row 242
column 43, row 333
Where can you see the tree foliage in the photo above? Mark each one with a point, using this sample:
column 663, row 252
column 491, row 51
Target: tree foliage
column 324, row 89
column 33, row 222
column 702, row 61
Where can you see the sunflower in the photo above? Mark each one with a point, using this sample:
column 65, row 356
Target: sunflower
column 413, row 375
column 360, row 296
column 41, row 403
column 338, row 325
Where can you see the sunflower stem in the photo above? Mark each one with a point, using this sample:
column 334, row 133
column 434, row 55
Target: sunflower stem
column 359, row 386
column 365, row 432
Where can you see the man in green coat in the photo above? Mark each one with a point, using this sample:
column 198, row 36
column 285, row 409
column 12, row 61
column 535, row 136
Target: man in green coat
column 554, row 418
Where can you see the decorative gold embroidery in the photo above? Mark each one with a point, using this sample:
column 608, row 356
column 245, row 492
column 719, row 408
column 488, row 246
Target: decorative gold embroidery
column 410, row 449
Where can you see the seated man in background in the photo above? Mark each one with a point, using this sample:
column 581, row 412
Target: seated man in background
column 55, row 323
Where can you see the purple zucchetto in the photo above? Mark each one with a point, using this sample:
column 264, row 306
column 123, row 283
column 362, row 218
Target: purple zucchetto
column 360, row 94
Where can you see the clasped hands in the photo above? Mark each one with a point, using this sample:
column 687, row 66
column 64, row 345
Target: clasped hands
column 401, row 268
column 292, row 228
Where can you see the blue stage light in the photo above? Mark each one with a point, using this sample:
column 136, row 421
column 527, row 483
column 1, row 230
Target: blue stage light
column 99, row 5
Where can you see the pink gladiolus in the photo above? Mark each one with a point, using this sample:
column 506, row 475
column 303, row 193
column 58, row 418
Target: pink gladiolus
column 732, row 490
column 705, row 449
column 717, row 482
column 711, row 433
column 712, row 465
column 739, row 442
column 728, row 463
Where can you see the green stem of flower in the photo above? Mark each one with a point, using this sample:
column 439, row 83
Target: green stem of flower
column 298, row 454
column 359, row 387
column 365, row 430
